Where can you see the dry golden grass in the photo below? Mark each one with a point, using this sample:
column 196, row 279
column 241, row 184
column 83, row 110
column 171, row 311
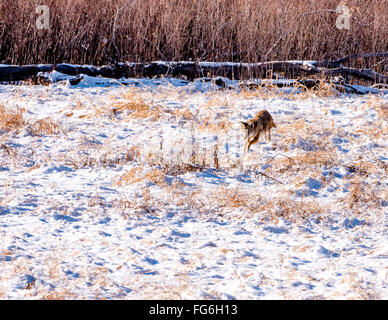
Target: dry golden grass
column 297, row 210
column 8, row 151
column 317, row 158
column 134, row 106
column 140, row 202
column 228, row 198
column 152, row 113
column 183, row 114
column 133, row 175
column 210, row 124
column 383, row 111
column 156, row 176
column 44, row 126
column 137, row 174
column 95, row 157
column 312, row 140
column 64, row 294
column 14, row 121
column 363, row 195
column 132, row 153
column 298, row 92
column 11, row 120
column 263, row 206
column 380, row 105
column 224, row 201
column 324, row 89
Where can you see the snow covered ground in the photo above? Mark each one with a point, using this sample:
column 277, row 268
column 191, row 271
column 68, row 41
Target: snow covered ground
column 143, row 192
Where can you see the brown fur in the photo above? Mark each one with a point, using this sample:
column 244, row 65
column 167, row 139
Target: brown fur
column 262, row 122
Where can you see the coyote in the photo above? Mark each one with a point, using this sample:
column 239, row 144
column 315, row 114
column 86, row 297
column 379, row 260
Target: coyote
column 262, row 122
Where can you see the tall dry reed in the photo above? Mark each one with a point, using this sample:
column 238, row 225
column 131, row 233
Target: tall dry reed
column 103, row 31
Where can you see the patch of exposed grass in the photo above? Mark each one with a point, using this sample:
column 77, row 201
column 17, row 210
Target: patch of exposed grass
column 363, row 195
column 44, row 126
column 14, row 121
column 138, row 174
column 11, row 120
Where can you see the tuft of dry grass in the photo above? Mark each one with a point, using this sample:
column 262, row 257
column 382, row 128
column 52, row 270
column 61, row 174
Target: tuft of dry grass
column 215, row 125
column 229, row 198
column 183, row 114
column 44, row 126
column 132, row 153
column 156, row 176
column 383, row 111
column 296, row 210
column 363, row 195
column 134, row 106
column 324, row 89
column 11, row 120
column 317, row 158
column 380, row 105
column 137, row 174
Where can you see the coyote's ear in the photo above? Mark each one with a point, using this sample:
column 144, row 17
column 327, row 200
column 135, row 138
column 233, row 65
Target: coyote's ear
column 245, row 124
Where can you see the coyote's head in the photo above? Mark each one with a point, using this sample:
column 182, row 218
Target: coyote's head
column 246, row 127
column 244, row 124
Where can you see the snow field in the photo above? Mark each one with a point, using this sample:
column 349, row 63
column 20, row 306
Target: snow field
column 143, row 192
